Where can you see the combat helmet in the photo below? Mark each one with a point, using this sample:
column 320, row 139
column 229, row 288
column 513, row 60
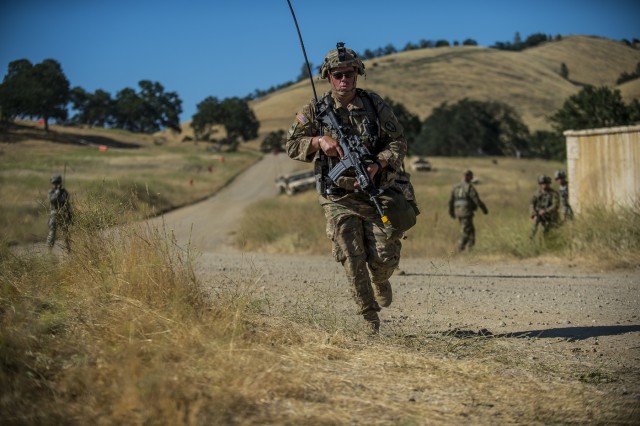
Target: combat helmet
column 543, row 179
column 56, row 179
column 468, row 173
column 560, row 174
column 341, row 57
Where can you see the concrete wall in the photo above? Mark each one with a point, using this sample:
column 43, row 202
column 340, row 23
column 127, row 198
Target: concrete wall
column 603, row 167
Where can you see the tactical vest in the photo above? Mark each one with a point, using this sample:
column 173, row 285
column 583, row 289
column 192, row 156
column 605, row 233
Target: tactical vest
column 58, row 199
column 364, row 122
column 463, row 204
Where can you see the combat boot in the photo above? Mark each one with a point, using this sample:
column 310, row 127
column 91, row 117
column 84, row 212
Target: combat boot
column 373, row 320
column 383, row 293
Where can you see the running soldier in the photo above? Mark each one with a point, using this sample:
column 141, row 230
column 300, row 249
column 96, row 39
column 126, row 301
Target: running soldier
column 369, row 251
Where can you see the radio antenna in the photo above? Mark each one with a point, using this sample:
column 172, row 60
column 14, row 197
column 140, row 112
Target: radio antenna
column 304, row 52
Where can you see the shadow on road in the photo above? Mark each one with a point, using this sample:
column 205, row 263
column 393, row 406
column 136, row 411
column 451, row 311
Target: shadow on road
column 569, row 333
column 575, row 333
column 507, row 276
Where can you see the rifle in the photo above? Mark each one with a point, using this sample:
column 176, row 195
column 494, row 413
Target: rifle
column 356, row 157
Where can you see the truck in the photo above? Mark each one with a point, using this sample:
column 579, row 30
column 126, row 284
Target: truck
column 296, row 182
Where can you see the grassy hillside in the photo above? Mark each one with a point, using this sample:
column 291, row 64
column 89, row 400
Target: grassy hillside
column 530, row 81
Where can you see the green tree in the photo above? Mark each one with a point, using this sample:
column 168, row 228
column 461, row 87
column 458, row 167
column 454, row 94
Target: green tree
column 410, row 122
column 233, row 113
column 129, row 108
column 634, row 112
column 547, row 145
column 273, row 142
column 52, row 92
column 471, row 127
column 208, row 115
column 93, row 109
column 15, row 90
column 304, row 72
column 239, row 120
column 38, row 91
column 150, row 110
column 161, row 109
column 591, row 108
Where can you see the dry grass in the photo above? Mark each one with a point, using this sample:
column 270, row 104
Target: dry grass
column 529, row 81
column 162, row 176
column 122, row 331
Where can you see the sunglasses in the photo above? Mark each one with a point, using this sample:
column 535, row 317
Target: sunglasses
column 339, row 75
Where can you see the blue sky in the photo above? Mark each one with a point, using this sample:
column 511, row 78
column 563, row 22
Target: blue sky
column 230, row 48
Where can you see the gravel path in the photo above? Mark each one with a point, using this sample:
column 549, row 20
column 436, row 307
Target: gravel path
column 584, row 314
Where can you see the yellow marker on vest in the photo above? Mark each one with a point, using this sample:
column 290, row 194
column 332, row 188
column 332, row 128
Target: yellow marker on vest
column 385, row 220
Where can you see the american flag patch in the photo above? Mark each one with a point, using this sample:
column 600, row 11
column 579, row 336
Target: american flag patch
column 302, row 118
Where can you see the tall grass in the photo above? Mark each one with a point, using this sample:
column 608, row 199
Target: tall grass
column 605, row 236
column 284, row 225
column 599, row 237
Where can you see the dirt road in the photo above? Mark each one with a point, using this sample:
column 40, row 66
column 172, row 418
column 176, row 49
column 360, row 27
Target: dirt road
column 582, row 314
column 208, row 224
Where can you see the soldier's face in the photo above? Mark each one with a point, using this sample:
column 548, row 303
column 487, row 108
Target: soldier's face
column 343, row 79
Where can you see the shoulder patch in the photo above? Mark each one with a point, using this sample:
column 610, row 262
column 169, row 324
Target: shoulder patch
column 390, row 126
column 302, row 118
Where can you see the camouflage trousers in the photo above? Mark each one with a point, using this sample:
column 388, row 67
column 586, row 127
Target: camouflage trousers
column 467, row 233
column 547, row 225
column 57, row 221
column 567, row 213
column 360, row 244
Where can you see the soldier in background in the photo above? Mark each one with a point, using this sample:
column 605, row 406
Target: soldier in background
column 544, row 206
column 463, row 203
column 565, row 207
column 60, row 214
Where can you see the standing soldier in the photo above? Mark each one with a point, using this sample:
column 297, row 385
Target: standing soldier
column 368, row 250
column 567, row 211
column 60, row 214
column 463, row 203
column 544, row 206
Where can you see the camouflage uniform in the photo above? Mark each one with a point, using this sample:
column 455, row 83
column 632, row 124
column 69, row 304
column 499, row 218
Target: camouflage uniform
column 463, row 203
column 60, row 214
column 567, row 211
column 368, row 251
column 544, row 207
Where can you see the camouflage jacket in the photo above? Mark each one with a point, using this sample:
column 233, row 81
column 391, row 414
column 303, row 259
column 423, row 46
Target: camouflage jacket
column 464, row 200
column 387, row 142
column 564, row 195
column 547, row 200
column 59, row 202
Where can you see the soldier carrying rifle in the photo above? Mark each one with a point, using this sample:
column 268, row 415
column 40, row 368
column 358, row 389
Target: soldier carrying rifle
column 544, row 207
column 358, row 147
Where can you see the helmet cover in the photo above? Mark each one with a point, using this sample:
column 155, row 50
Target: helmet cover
column 341, row 57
